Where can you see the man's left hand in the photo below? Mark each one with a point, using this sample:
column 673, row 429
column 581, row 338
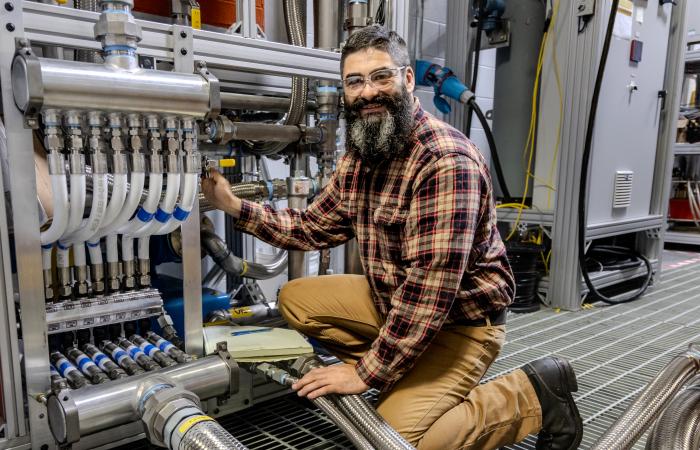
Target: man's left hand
column 337, row 379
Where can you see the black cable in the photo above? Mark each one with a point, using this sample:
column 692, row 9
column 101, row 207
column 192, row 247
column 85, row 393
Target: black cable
column 492, row 145
column 475, row 68
column 584, row 180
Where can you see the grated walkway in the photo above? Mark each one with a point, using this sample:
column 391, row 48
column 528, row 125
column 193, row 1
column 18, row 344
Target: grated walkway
column 615, row 351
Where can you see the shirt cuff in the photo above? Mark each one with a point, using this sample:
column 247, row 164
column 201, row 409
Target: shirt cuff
column 369, row 372
column 250, row 217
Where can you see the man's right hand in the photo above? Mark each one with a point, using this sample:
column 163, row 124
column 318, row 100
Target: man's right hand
column 217, row 191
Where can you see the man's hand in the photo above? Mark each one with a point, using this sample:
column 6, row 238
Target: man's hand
column 337, row 379
column 217, row 191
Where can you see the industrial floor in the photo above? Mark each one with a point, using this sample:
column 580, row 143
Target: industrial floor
column 615, row 351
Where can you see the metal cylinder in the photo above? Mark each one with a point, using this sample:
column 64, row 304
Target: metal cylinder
column 651, row 402
column 356, row 15
column 231, row 100
column 41, row 83
column 327, row 24
column 298, row 188
column 99, row 407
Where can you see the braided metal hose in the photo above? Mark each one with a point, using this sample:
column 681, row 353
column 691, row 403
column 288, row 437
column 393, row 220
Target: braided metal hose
column 294, row 20
column 678, row 428
column 342, row 422
column 209, row 435
column 651, row 402
column 373, row 426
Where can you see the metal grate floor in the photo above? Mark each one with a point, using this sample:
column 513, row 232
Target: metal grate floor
column 615, row 351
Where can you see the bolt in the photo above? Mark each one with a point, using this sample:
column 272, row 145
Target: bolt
column 10, row 27
column 581, row 7
column 9, row 6
column 41, row 416
column 183, row 34
column 183, row 51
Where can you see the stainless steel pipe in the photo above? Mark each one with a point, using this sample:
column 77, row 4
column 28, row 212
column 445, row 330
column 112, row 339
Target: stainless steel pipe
column 41, row 83
column 651, row 402
column 230, row 100
column 99, row 407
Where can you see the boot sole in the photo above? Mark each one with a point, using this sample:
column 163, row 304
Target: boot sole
column 572, row 384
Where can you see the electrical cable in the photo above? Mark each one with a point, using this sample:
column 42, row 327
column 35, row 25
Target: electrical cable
column 492, row 145
column 475, row 68
column 593, row 291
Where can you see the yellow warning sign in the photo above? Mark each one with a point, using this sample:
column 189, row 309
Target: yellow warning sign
column 196, row 18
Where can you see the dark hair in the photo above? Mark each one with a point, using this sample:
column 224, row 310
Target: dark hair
column 377, row 37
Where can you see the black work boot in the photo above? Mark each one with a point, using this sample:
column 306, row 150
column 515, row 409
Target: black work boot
column 554, row 380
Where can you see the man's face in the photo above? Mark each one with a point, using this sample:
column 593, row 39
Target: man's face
column 378, row 104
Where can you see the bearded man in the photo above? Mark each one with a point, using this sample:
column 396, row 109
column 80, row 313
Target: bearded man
column 427, row 319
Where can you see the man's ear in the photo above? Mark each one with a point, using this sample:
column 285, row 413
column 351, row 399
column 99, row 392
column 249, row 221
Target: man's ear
column 410, row 79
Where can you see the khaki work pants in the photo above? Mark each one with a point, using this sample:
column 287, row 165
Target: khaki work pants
column 439, row 404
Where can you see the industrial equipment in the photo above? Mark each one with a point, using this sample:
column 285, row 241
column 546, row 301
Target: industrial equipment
column 111, row 118
column 122, row 117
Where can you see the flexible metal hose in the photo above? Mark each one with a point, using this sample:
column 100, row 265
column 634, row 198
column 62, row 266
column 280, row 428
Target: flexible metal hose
column 678, row 428
column 209, row 435
column 651, row 401
column 342, row 422
column 87, row 55
column 372, row 425
column 233, row 265
column 294, row 20
column 329, row 409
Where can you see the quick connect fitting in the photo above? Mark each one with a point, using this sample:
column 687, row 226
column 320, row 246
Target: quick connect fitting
column 444, row 83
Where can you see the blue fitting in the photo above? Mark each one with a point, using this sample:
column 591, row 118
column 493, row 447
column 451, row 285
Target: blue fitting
column 180, row 214
column 270, row 189
column 143, row 215
column 443, row 81
column 493, row 11
column 162, row 216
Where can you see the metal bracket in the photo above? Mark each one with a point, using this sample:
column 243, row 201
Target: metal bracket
column 653, row 233
column 585, row 8
column 63, row 417
column 500, row 37
column 214, row 90
column 222, row 351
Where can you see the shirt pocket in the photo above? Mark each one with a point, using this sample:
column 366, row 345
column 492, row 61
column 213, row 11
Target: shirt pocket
column 389, row 223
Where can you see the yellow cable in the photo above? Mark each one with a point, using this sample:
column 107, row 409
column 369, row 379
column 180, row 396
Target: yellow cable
column 530, row 144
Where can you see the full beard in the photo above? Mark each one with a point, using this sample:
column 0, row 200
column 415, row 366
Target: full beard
column 378, row 137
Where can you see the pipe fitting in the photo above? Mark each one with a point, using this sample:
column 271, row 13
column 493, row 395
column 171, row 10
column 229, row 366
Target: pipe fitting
column 161, row 405
column 64, row 288
column 97, row 277
column 116, row 27
column 129, row 281
column 81, row 287
column 56, row 162
column 48, row 285
column 113, row 283
column 144, row 275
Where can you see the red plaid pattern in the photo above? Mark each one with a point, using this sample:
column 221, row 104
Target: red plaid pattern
column 425, row 223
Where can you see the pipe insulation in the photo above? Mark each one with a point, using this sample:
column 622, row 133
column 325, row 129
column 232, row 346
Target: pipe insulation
column 678, row 428
column 650, row 403
column 59, row 186
column 78, row 194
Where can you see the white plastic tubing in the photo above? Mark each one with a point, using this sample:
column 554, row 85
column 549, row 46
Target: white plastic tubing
column 169, row 216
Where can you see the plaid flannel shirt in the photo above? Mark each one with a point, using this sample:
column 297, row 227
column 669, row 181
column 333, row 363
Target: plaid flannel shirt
column 425, row 223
